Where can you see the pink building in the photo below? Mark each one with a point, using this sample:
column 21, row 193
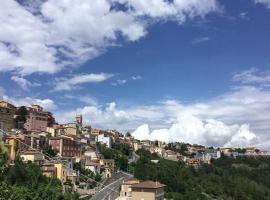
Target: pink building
column 37, row 119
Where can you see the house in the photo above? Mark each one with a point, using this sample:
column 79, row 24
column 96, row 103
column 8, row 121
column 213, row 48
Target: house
column 126, row 192
column 92, row 166
column 7, row 112
column 108, row 166
column 226, row 151
column 158, row 150
column 192, row 162
column 48, row 169
column 171, row 155
column 95, row 132
column 147, row 190
column 91, row 154
column 70, row 129
column 136, row 146
column 61, row 170
column 32, row 156
column 104, row 140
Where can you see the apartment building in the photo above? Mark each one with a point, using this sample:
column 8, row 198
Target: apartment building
column 65, row 146
column 37, row 119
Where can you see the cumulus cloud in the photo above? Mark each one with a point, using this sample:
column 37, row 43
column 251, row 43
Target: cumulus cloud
column 264, row 2
column 69, row 83
column 24, row 83
column 58, row 34
column 239, row 117
column 195, row 131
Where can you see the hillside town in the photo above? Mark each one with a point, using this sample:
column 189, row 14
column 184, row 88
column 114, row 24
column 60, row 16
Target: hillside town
column 77, row 154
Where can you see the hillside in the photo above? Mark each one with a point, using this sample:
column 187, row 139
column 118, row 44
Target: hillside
column 226, row 178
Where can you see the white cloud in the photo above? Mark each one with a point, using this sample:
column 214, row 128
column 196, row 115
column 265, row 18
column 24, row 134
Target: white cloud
column 47, row 104
column 24, row 83
column 244, row 15
column 252, row 75
column 195, row 131
column 85, row 99
column 200, row 40
column 47, row 36
column 69, row 83
column 264, row 2
column 239, row 117
column 119, row 82
column 138, row 77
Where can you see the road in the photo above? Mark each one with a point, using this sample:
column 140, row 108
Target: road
column 135, row 158
column 111, row 190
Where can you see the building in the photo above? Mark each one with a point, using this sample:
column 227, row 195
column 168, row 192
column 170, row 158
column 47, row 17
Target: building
column 171, row 155
column 65, row 146
column 15, row 144
column 62, row 171
column 147, row 190
column 7, row 112
column 126, row 192
column 32, row 156
column 95, row 132
column 108, row 166
column 37, row 119
column 104, row 140
column 79, row 120
column 91, row 154
column 92, row 166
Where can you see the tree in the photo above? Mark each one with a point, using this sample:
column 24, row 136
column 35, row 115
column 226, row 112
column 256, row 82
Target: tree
column 49, row 151
column 21, row 115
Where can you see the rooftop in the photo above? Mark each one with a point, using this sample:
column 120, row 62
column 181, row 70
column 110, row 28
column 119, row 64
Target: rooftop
column 148, row 184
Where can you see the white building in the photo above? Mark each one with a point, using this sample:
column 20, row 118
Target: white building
column 104, row 140
column 93, row 166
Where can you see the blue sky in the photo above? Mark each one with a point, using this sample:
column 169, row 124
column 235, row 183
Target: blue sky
column 160, row 69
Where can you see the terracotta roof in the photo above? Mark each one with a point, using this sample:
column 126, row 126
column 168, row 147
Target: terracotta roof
column 148, row 184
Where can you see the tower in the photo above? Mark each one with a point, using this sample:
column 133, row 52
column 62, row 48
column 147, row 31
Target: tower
column 78, row 120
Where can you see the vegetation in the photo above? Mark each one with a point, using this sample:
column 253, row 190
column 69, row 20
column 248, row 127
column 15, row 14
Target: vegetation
column 26, row 182
column 119, row 152
column 226, row 178
column 21, row 115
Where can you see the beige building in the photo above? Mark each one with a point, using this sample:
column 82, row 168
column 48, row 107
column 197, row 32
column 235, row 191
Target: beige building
column 7, row 113
column 147, row 190
column 126, row 192
column 32, row 156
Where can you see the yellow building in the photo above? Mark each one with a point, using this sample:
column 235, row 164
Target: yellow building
column 7, row 112
column 108, row 166
column 13, row 143
column 148, row 190
column 48, row 170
